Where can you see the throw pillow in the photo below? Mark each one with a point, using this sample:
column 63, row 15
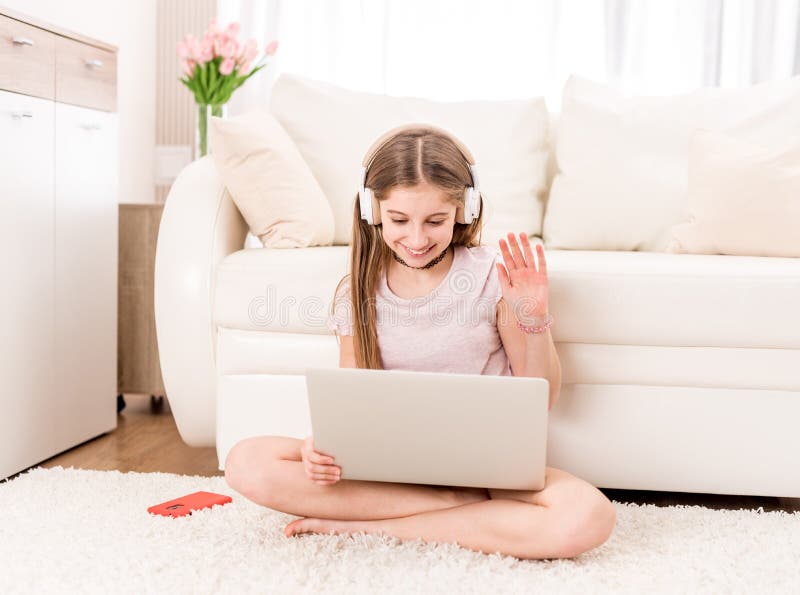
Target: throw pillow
column 622, row 161
column 744, row 199
column 270, row 182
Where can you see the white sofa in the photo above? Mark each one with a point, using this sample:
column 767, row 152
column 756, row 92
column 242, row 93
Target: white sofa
column 680, row 372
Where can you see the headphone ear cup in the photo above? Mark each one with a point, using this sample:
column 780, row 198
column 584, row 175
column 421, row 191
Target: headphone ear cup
column 478, row 202
column 376, row 208
column 466, row 212
column 369, row 207
column 363, row 195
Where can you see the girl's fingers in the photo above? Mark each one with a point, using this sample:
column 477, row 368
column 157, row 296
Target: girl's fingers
column 509, row 260
column 519, row 259
column 325, row 481
column 324, row 476
column 526, row 246
column 502, row 274
column 330, row 469
column 542, row 262
column 317, row 457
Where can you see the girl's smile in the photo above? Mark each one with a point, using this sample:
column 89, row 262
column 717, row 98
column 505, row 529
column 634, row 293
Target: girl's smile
column 418, row 253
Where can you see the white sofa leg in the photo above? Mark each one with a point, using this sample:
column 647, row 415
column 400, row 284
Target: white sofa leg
column 200, row 225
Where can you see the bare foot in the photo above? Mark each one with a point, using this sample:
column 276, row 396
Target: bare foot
column 326, row 526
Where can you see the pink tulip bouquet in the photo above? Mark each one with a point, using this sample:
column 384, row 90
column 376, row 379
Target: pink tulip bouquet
column 214, row 67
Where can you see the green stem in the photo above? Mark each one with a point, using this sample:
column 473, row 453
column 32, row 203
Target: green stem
column 202, row 124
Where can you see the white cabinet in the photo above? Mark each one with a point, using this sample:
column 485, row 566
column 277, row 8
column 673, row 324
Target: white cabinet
column 27, row 299
column 58, row 242
column 86, row 249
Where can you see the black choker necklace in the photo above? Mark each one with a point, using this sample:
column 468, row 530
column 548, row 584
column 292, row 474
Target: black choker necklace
column 434, row 262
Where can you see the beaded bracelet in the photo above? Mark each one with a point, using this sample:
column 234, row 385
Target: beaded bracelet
column 537, row 329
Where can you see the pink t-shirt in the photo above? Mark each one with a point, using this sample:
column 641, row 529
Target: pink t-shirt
column 452, row 329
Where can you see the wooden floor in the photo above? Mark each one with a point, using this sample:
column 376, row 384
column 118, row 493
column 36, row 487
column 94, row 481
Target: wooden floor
column 147, row 440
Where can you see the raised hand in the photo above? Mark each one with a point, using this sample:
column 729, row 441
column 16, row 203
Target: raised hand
column 524, row 284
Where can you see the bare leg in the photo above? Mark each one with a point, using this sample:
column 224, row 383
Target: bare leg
column 269, row 471
column 566, row 518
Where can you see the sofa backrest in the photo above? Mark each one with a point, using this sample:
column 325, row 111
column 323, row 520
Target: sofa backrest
column 333, row 127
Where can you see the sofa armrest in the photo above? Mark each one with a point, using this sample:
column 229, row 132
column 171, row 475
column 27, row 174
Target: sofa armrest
column 200, row 225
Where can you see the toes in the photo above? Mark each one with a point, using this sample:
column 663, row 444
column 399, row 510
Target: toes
column 307, row 525
column 323, row 526
column 295, row 526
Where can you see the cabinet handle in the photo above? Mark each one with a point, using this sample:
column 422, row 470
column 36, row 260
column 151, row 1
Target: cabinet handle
column 91, row 126
column 18, row 115
column 95, row 63
column 22, row 41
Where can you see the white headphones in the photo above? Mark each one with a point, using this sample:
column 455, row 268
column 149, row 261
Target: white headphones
column 370, row 209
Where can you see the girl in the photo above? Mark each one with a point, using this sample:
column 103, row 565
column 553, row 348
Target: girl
column 416, row 243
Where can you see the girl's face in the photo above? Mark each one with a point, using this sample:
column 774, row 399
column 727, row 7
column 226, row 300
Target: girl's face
column 417, row 222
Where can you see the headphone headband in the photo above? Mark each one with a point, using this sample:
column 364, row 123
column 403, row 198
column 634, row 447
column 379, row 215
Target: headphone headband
column 387, row 136
column 370, row 210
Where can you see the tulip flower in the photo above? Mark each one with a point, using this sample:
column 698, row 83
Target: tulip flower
column 214, row 66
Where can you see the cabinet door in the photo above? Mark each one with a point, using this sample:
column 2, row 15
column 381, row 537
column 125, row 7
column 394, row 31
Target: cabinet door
column 86, row 273
column 27, row 294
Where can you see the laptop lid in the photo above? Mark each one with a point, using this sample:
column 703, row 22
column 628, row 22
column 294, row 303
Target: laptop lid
column 431, row 428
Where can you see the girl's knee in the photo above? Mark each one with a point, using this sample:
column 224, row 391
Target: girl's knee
column 246, row 463
column 235, row 463
column 592, row 525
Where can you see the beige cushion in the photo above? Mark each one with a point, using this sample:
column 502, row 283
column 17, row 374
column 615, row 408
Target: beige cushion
column 269, row 181
column 622, row 161
column 744, row 199
column 333, row 128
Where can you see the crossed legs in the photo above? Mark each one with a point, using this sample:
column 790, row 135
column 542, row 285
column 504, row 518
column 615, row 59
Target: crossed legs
column 566, row 518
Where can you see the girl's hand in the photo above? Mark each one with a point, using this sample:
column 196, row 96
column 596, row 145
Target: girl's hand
column 524, row 286
column 318, row 467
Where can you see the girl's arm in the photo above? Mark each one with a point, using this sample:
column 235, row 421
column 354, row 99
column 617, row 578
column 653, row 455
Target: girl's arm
column 532, row 355
column 347, row 354
column 524, row 285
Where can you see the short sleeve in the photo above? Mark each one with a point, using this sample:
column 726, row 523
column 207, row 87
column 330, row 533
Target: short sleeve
column 341, row 321
column 493, row 287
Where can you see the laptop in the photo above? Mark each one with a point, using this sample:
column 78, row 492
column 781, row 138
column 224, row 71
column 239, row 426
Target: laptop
column 435, row 428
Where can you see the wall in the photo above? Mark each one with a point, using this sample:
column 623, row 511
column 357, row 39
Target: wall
column 131, row 26
column 175, row 107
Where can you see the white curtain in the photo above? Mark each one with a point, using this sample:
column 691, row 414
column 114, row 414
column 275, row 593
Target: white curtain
column 509, row 49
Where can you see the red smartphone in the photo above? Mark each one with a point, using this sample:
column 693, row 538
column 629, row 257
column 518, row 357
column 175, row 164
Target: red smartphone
column 186, row 504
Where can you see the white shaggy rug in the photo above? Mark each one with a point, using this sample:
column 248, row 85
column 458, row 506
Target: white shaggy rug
column 72, row 530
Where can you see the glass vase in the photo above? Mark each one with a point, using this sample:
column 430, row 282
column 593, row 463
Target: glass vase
column 204, row 113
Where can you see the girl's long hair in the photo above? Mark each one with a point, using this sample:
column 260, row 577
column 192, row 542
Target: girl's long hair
column 411, row 157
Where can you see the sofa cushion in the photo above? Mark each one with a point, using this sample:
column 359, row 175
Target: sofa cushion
column 622, row 161
column 333, row 127
column 614, row 298
column 692, row 300
column 279, row 290
column 743, row 198
column 243, row 352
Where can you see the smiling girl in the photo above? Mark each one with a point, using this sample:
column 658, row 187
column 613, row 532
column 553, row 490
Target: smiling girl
column 424, row 294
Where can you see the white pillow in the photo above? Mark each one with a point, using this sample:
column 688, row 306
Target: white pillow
column 743, row 199
column 270, row 183
column 333, row 128
column 621, row 181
